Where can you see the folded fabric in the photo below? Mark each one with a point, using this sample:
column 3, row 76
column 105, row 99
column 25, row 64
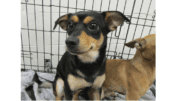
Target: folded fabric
column 31, row 89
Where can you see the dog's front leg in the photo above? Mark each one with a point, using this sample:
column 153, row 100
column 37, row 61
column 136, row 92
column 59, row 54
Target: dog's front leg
column 59, row 89
column 75, row 95
column 95, row 92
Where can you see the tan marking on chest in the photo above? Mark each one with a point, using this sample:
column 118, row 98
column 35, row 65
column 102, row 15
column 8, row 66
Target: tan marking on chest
column 76, row 83
column 88, row 19
column 75, row 19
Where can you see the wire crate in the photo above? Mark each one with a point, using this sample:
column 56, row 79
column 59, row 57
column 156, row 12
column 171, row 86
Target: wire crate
column 42, row 47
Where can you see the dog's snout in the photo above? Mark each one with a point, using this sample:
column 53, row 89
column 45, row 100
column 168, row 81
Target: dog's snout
column 72, row 41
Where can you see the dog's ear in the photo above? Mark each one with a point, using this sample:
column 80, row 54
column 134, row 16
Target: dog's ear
column 62, row 21
column 138, row 43
column 114, row 19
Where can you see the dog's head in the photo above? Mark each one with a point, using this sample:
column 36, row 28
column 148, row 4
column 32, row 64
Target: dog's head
column 146, row 46
column 87, row 30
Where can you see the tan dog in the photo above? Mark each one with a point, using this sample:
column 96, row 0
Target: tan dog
column 135, row 76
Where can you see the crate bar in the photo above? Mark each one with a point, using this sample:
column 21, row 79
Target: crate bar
column 55, row 6
column 152, row 22
column 38, row 71
column 84, row 4
column 119, row 30
column 35, row 65
column 59, row 31
column 67, row 13
column 128, row 26
column 93, row 5
column 121, row 26
column 136, row 26
column 43, row 30
column 76, row 5
column 36, row 34
column 109, row 32
column 116, row 30
column 22, row 49
column 141, row 25
column 116, row 10
column 51, row 29
column 146, row 18
column 101, row 5
column 142, row 18
column 61, row 55
column 28, row 34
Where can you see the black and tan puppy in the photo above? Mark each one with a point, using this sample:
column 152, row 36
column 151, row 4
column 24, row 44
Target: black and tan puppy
column 83, row 64
column 135, row 76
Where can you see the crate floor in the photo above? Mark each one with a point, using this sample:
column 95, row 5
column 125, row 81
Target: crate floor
column 32, row 89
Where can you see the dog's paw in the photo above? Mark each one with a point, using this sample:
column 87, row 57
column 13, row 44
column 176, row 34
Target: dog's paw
column 113, row 94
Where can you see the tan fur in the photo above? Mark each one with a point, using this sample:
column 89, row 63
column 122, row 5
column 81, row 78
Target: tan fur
column 75, row 19
column 132, row 77
column 113, row 19
column 75, row 95
column 59, row 89
column 88, row 19
column 80, row 73
column 85, row 43
column 76, row 83
column 99, row 81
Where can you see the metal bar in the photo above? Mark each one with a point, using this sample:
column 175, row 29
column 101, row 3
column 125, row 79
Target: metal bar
column 101, row 5
column 152, row 22
column 59, row 31
column 136, row 26
column 146, row 18
column 93, row 5
column 36, row 34
column 76, row 5
column 110, row 32
column 38, row 71
column 51, row 28
column 119, row 31
column 43, row 30
column 28, row 35
column 128, row 27
column 84, row 4
column 22, row 49
column 55, row 6
column 67, row 13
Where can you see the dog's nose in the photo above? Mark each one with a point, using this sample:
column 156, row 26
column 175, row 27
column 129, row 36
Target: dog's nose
column 72, row 41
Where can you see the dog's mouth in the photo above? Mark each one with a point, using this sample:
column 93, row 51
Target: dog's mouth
column 78, row 53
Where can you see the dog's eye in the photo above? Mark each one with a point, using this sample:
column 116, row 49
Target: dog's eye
column 70, row 25
column 93, row 26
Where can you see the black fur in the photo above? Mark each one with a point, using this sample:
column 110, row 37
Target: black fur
column 70, row 63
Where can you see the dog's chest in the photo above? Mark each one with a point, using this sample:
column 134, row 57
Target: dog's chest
column 76, row 83
column 88, row 76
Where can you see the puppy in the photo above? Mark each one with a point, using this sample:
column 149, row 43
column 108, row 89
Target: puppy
column 83, row 64
column 135, row 76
